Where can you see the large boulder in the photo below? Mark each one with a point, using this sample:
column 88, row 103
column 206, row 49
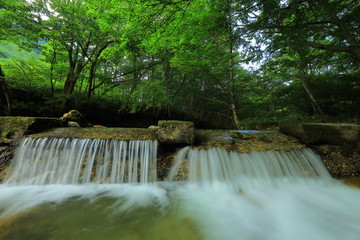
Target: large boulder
column 15, row 127
column 176, row 132
column 76, row 116
column 324, row 133
column 338, row 144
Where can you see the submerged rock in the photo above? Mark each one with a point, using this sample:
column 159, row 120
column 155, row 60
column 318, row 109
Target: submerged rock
column 176, row 132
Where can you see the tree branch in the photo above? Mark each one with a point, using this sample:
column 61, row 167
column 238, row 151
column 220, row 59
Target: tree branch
column 221, row 114
column 162, row 2
column 218, row 101
column 329, row 47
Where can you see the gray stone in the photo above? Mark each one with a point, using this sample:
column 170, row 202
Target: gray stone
column 73, row 124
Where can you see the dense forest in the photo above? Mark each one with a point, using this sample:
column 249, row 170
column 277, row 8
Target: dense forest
column 219, row 63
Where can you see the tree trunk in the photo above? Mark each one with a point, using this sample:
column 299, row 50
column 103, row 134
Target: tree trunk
column 91, row 79
column 314, row 104
column 5, row 90
column 72, row 77
column 93, row 66
column 233, row 104
column 235, row 117
column 305, row 82
column 69, row 82
column 52, row 66
column 168, row 75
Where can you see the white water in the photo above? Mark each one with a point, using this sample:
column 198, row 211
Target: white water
column 243, row 170
column 74, row 161
column 284, row 195
column 189, row 211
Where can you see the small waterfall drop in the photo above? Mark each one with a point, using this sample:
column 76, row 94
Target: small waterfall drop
column 82, row 161
column 268, row 195
column 247, row 169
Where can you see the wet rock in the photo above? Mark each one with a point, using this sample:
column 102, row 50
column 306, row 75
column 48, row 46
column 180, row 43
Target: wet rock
column 99, row 133
column 339, row 164
column 352, row 181
column 7, row 151
column 12, row 129
column 245, row 141
column 176, row 132
column 236, row 135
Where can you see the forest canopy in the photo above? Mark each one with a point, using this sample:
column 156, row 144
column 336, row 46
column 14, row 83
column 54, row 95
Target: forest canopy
column 220, row 63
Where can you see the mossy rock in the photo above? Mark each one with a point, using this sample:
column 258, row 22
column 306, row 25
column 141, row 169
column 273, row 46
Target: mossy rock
column 76, row 116
column 294, row 129
column 176, row 132
column 332, row 133
column 337, row 143
column 15, row 127
column 324, row 133
column 246, row 141
column 123, row 134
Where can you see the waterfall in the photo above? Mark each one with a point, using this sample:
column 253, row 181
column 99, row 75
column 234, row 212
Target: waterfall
column 272, row 195
column 82, row 161
column 247, row 169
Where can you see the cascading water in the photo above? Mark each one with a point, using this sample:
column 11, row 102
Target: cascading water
column 55, row 191
column 75, row 161
column 239, row 170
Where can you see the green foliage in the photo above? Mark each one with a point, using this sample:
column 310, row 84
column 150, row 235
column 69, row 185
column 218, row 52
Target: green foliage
column 151, row 94
column 23, row 69
column 11, row 50
column 183, row 59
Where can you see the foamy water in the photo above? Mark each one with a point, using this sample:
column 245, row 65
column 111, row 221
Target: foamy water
column 291, row 211
column 224, row 196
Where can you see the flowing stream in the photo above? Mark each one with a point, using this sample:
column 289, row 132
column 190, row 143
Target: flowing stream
column 244, row 170
column 105, row 189
column 74, row 161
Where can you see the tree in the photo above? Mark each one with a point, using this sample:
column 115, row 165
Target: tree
column 4, row 34
column 330, row 25
column 290, row 67
column 205, row 37
column 81, row 30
